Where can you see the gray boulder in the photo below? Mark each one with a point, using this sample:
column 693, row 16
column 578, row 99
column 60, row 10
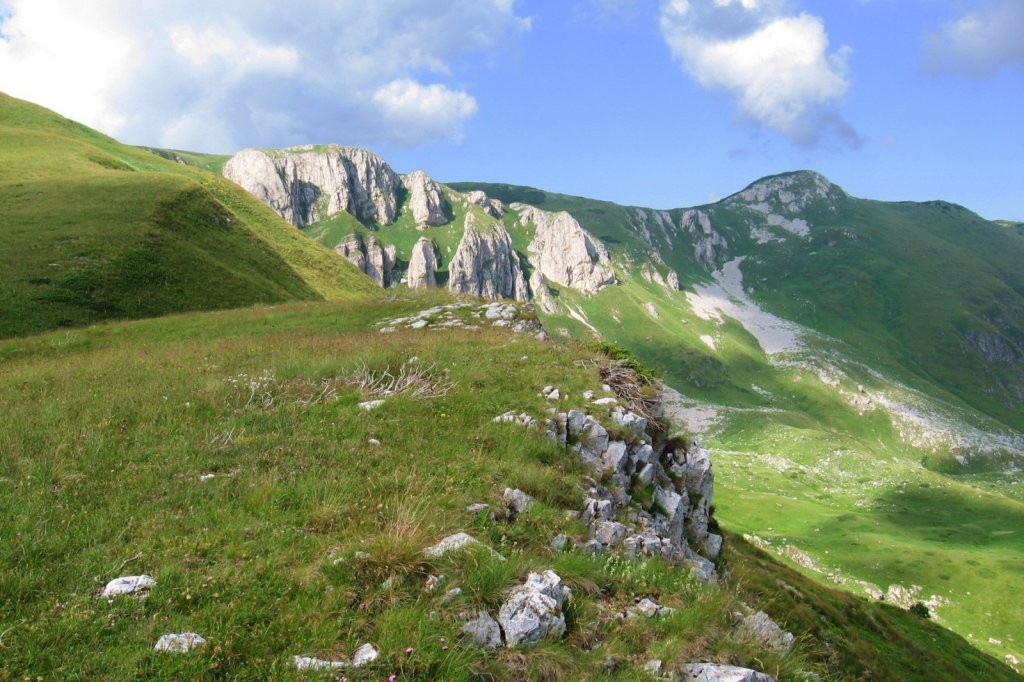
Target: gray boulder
column 765, row 631
column 484, row 630
column 716, row 672
column 533, row 611
column 179, row 643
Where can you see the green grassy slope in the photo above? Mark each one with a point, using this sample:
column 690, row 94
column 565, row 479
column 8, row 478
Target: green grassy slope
column 100, row 476
column 822, row 449
column 94, row 230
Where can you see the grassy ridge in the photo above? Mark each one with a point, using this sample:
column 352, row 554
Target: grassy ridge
column 94, row 230
column 100, row 474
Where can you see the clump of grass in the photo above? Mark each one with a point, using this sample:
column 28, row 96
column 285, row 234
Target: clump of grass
column 410, row 379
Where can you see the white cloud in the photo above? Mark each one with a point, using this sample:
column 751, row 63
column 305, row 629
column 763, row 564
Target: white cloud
column 979, row 44
column 422, row 111
column 776, row 65
column 218, row 75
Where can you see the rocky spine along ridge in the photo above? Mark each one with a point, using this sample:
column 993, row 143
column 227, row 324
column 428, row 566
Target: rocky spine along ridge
column 304, row 185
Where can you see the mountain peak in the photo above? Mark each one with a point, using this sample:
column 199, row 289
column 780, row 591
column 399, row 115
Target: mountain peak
column 792, row 191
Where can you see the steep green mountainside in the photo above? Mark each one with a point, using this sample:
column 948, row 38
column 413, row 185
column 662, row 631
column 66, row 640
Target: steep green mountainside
column 929, row 290
column 92, row 229
column 227, row 456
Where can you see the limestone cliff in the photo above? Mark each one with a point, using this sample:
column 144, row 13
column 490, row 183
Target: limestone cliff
column 422, row 265
column 307, row 184
column 491, row 207
column 564, row 252
column 370, row 256
column 486, row 264
column 426, row 200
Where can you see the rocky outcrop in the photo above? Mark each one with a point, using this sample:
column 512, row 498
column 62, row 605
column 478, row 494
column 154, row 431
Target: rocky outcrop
column 709, row 247
column 533, row 611
column 307, row 184
column 422, row 265
column 491, row 207
column 671, row 516
column 564, row 252
column 426, row 200
column 486, row 264
column 370, row 256
column 541, row 293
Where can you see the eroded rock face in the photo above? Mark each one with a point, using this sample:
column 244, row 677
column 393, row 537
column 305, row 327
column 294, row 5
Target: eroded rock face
column 491, row 207
column 426, row 200
column 422, row 265
column 564, row 252
column 709, row 247
column 306, row 184
column 486, row 264
column 370, row 256
column 541, row 294
column 533, row 611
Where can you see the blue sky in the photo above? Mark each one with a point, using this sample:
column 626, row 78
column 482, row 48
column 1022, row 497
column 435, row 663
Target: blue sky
column 661, row 104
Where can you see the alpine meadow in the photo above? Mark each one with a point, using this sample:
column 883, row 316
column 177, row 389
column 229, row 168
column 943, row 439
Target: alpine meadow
column 286, row 412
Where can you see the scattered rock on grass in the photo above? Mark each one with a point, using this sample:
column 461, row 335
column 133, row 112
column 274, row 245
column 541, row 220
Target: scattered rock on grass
column 310, row 663
column 179, row 643
column 484, row 630
column 371, row 404
column 715, row 672
column 138, row 585
column 364, row 654
column 517, row 501
column 765, row 631
column 533, row 611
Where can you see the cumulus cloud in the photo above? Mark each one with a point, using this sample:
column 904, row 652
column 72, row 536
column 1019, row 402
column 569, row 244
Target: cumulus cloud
column 775, row 65
column 980, row 43
column 218, row 75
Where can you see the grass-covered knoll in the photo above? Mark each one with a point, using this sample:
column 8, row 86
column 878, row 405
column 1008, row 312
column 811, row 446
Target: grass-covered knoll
column 93, row 230
column 100, row 472
column 211, row 162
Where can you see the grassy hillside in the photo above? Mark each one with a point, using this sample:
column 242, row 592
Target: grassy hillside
column 93, row 230
column 820, row 450
column 105, row 471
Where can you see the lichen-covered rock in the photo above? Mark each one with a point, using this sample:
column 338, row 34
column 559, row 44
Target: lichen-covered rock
column 533, row 611
column 316, row 664
column 565, row 253
column 179, row 643
column 307, row 184
column 422, row 265
column 716, row 672
column 137, row 585
column 426, row 200
column 364, row 655
column 486, row 264
column 451, row 543
column 484, row 631
column 517, row 501
column 766, row 632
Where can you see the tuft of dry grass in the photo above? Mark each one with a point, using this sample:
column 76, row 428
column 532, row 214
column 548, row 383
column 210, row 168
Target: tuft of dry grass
column 410, row 379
